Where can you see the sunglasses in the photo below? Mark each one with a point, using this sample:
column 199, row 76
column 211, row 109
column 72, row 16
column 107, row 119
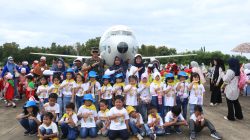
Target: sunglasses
column 95, row 51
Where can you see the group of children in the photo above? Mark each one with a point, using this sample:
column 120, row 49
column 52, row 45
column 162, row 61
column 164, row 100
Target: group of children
column 87, row 107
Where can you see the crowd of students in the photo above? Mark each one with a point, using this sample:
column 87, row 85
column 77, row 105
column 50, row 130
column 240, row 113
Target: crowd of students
column 87, row 106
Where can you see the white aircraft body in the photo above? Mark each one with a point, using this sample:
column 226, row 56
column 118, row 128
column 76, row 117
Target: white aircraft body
column 117, row 41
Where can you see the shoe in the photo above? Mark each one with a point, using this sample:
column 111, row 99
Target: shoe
column 32, row 134
column 99, row 132
column 26, row 133
column 152, row 137
column 211, row 104
column 155, row 137
column 192, row 136
column 167, row 132
column 216, row 136
column 139, row 137
column 225, row 117
column 178, row 130
column 16, row 99
column 216, row 104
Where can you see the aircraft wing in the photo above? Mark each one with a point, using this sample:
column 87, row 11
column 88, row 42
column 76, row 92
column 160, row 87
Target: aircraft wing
column 167, row 56
column 62, row 55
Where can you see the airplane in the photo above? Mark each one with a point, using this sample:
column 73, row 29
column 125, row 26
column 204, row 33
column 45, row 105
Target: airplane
column 118, row 41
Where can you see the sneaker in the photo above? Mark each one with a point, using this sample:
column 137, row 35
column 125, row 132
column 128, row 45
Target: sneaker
column 155, row 137
column 99, row 132
column 178, row 130
column 225, row 117
column 216, row 136
column 211, row 104
column 26, row 133
column 139, row 137
column 192, row 136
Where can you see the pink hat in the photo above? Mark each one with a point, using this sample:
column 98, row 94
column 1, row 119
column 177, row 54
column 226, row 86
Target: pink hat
column 144, row 75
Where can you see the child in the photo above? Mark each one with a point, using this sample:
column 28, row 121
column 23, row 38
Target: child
column 130, row 91
column 119, row 85
column 9, row 90
column 197, row 91
column 156, row 90
column 198, row 122
column 68, row 123
column 48, row 129
column 182, row 92
column 30, row 119
column 106, row 90
column 22, row 82
column 119, row 118
column 79, row 89
column 145, row 96
column 169, row 89
column 155, row 124
column 136, row 123
column 94, row 87
column 30, row 90
column 42, row 91
column 67, row 88
column 174, row 118
column 87, row 115
column 52, row 106
column 103, row 121
column 54, row 88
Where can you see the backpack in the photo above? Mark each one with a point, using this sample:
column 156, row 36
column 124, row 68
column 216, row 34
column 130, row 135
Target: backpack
column 242, row 80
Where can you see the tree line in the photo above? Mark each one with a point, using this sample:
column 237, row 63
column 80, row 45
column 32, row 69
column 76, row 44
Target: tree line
column 83, row 49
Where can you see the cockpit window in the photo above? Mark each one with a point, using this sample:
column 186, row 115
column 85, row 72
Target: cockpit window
column 128, row 33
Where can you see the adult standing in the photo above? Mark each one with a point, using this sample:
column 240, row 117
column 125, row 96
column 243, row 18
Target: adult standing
column 40, row 67
column 117, row 67
column 13, row 69
column 231, row 79
column 95, row 63
column 59, row 66
column 138, row 68
column 216, row 82
column 196, row 68
column 77, row 67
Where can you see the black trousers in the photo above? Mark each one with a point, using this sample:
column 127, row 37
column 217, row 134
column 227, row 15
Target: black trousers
column 234, row 110
column 122, row 134
column 194, row 128
column 216, row 94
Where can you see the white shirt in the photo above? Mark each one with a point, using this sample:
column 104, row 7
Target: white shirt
column 55, row 89
column 150, row 120
column 67, row 90
column 66, row 119
column 144, row 92
column 107, row 92
column 170, row 117
column 102, row 115
column 118, row 88
column 55, row 108
column 119, row 122
column 90, row 121
column 131, row 95
column 193, row 117
column 196, row 95
column 154, row 86
column 135, row 120
column 38, row 117
column 169, row 99
column 183, row 92
column 52, row 127
column 43, row 91
column 94, row 89
column 80, row 89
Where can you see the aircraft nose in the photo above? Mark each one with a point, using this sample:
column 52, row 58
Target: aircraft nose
column 122, row 47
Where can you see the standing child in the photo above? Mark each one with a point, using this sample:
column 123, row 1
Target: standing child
column 119, row 118
column 131, row 92
column 182, row 92
column 22, row 82
column 106, row 90
column 94, row 87
column 42, row 91
column 79, row 89
column 119, row 85
column 145, row 96
column 103, row 121
column 9, row 90
column 68, row 123
column 174, row 119
column 87, row 114
column 154, row 126
column 67, row 88
column 30, row 119
column 156, row 90
column 136, row 123
column 54, row 88
column 30, row 90
column 52, row 106
column 198, row 122
column 197, row 91
column 48, row 129
column 170, row 92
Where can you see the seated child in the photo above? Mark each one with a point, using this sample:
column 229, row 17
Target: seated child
column 118, row 116
column 154, row 126
column 198, row 122
column 174, row 118
column 68, row 123
column 136, row 123
column 52, row 106
column 103, row 121
column 30, row 119
column 48, row 129
column 87, row 114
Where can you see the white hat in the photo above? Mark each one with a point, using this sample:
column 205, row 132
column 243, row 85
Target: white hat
column 8, row 76
column 109, row 72
column 156, row 74
column 43, row 58
column 25, row 63
column 10, row 58
column 48, row 73
column 23, row 70
column 138, row 55
column 78, row 59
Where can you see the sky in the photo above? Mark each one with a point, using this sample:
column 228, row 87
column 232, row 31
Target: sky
column 181, row 24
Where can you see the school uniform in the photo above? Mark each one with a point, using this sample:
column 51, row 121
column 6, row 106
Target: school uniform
column 67, row 130
column 55, row 108
column 169, row 118
column 55, row 89
column 145, row 99
column 80, row 87
column 182, row 97
column 106, row 92
column 156, row 101
column 157, row 129
column 67, row 91
column 94, row 91
column 196, row 96
column 134, row 128
column 119, row 88
column 30, row 125
column 131, row 95
column 169, row 97
column 48, row 130
column 43, row 95
column 102, row 121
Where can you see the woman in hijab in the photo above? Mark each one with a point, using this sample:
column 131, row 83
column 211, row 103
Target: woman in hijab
column 60, row 66
column 216, row 82
column 117, row 67
column 232, row 91
column 139, row 65
column 196, row 68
